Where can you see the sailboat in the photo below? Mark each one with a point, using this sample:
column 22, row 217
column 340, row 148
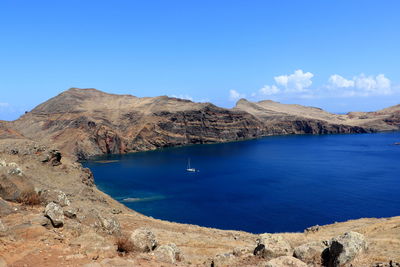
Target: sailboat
column 190, row 169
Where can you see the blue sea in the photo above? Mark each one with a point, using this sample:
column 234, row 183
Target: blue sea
column 273, row 184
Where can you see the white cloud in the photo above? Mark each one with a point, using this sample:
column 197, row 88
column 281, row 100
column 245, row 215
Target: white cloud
column 299, row 81
column 361, row 85
column 269, row 90
column 187, row 97
column 235, row 95
column 4, row 105
column 380, row 84
column 338, row 81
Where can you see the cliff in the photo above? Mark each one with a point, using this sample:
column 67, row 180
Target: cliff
column 87, row 122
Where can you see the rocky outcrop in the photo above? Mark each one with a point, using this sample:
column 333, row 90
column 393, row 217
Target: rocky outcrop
column 55, row 213
column 271, row 246
column 310, row 252
column 344, row 248
column 13, row 186
column 143, row 239
column 168, row 253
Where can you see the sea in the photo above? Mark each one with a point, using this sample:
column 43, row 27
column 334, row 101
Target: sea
column 272, row 184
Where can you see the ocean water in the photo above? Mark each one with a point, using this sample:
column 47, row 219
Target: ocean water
column 273, row 184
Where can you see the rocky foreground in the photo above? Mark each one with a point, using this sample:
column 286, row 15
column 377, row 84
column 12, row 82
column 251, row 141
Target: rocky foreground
column 52, row 214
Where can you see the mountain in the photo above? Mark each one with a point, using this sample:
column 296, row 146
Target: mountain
column 274, row 114
column 87, row 122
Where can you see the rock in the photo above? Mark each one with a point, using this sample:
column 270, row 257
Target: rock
column 110, row 225
column 221, row 260
column 168, row 253
column 56, row 196
column 259, row 250
column 310, row 252
column 143, row 239
column 15, row 171
column 274, row 246
column 312, row 229
column 55, row 213
column 344, row 248
column 53, row 157
column 13, row 186
column 70, row 213
column 285, row 261
column 116, row 211
column 96, row 220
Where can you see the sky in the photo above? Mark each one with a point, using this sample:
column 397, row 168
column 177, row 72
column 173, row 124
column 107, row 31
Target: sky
column 341, row 55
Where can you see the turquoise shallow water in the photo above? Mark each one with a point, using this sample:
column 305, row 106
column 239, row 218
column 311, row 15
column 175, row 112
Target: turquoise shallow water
column 274, row 184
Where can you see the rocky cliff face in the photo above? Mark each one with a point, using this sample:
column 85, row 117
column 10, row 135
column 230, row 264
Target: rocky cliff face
column 87, row 122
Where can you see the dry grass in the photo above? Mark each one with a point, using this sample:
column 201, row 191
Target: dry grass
column 124, row 244
column 30, row 198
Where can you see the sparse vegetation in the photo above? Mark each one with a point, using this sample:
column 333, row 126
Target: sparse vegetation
column 124, row 244
column 30, row 198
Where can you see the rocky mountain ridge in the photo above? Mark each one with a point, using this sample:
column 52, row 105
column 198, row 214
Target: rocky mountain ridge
column 88, row 122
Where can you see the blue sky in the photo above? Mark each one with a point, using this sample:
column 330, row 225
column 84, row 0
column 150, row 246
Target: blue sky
column 339, row 55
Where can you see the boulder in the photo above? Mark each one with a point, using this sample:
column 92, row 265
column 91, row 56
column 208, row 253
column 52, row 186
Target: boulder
column 56, row 196
column 168, row 253
column 272, row 246
column 13, row 186
column 143, row 239
column 110, row 225
column 222, row 260
column 344, row 248
column 97, row 220
column 55, row 213
column 53, row 157
column 70, row 212
column 285, row 261
column 310, row 252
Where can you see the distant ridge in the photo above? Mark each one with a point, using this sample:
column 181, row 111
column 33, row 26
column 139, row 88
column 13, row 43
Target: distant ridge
column 87, row 122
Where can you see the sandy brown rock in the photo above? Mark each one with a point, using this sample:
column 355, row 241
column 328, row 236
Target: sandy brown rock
column 143, row 239
column 310, row 252
column 274, row 246
column 285, row 261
